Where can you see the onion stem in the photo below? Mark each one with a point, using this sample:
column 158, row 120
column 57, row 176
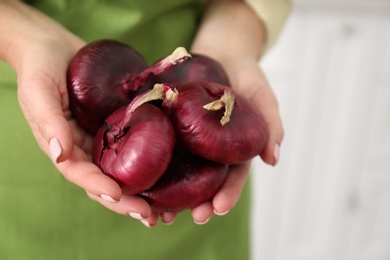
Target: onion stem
column 179, row 55
column 227, row 101
column 159, row 92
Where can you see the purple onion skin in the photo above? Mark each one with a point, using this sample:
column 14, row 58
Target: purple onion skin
column 137, row 159
column 94, row 80
column 189, row 181
column 199, row 67
column 200, row 131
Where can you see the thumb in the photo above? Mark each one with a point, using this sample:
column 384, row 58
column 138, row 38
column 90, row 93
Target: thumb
column 268, row 104
column 253, row 84
column 44, row 101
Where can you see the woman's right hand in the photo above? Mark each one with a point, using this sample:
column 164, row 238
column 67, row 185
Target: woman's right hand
column 39, row 50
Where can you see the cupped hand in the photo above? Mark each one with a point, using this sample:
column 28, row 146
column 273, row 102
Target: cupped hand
column 40, row 55
column 248, row 80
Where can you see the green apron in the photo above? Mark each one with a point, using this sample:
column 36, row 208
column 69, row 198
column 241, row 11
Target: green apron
column 43, row 216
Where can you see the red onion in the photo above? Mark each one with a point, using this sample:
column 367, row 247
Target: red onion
column 105, row 75
column 175, row 159
column 135, row 144
column 199, row 67
column 214, row 122
column 189, row 181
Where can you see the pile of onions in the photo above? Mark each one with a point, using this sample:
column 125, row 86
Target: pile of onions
column 166, row 132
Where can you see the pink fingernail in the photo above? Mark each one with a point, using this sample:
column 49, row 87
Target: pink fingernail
column 168, row 223
column 201, row 223
column 167, row 219
column 146, row 223
column 55, row 149
column 221, row 213
column 136, row 215
column 108, row 198
column 276, row 153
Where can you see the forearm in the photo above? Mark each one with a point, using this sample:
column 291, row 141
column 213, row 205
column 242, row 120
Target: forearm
column 10, row 13
column 230, row 27
column 21, row 26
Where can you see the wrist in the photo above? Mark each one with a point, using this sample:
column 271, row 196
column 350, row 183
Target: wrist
column 230, row 28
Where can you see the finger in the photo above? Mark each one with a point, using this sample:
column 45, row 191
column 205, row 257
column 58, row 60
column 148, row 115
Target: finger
column 202, row 213
column 80, row 171
column 132, row 206
column 265, row 100
column 269, row 106
column 151, row 221
column 227, row 197
column 168, row 217
column 43, row 100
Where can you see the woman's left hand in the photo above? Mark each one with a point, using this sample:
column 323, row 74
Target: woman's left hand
column 248, row 80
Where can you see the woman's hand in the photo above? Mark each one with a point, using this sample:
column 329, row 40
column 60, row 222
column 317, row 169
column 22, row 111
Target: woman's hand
column 39, row 50
column 232, row 34
column 248, row 80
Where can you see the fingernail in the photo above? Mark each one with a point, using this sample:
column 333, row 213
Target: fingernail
column 221, row 213
column 136, row 215
column 146, row 223
column 276, row 153
column 167, row 223
column 55, row 149
column 108, row 198
column 201, row 223
column 164, row 217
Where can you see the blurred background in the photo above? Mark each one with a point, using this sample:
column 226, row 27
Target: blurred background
column 329, row 197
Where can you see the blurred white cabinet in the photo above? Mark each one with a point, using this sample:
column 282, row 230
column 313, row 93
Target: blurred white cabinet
column 329, row 197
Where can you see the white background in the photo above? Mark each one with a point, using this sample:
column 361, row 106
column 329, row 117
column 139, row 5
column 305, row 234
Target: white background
column 329, row 197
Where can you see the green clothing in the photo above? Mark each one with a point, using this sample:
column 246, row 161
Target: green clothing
column 43, row 216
